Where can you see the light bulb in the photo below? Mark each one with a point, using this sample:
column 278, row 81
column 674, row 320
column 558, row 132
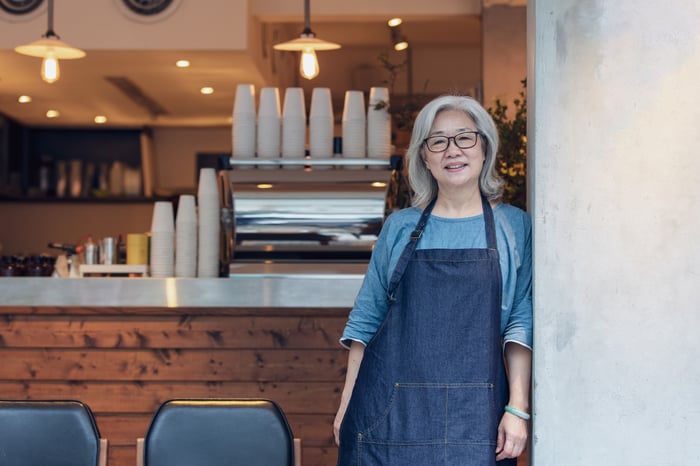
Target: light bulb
column 50, row 72
column 308, row 65
column 402, row 45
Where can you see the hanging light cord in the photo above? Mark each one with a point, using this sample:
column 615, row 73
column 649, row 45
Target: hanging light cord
column 50, row 32
column 307, row 20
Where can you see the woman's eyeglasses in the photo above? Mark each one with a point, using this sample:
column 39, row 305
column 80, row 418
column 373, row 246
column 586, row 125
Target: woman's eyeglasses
column 465, row 140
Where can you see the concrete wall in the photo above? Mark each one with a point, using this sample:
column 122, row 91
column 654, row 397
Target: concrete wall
column 615, row 202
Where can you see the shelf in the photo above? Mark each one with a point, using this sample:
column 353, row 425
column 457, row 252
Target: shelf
column 383, row 163
column 84, row 200
column 113, row 269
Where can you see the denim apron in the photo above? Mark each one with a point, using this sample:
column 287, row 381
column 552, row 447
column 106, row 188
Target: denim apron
column 431, row 386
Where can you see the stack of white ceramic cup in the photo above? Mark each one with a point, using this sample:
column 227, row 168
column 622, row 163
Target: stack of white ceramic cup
column 162, row 260
column 321, row 124
column 294, row 126
column 354, row 127
column 269, row 121
column 378, row 124
column 244, row 121
column 186, row 237
column 209, row 225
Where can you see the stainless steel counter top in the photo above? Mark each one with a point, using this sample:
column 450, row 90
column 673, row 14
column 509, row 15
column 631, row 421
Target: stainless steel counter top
column 290, row 290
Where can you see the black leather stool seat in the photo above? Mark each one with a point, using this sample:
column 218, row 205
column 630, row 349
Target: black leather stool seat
column 218, row 432
column 48, row 433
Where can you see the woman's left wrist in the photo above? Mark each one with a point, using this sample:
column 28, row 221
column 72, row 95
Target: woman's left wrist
column 519, row 413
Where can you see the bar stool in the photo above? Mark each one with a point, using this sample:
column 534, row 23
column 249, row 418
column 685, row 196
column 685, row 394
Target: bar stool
column 219, row 432
column 49, row 433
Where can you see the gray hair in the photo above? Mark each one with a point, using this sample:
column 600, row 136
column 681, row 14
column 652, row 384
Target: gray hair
column 422, row 181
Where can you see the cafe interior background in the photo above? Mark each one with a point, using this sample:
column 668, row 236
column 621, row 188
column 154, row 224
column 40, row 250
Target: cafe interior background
column 129, row 77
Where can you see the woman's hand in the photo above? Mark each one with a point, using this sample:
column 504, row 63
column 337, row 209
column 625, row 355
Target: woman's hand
column 512, row 437
column 357, row 351
column 338, row 421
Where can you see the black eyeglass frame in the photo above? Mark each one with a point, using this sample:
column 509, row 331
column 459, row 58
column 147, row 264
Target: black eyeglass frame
column 454, row 139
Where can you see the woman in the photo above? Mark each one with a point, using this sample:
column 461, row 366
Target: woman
column 445, row 301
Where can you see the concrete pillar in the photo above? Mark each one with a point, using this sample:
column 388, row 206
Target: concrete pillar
column 614, row 96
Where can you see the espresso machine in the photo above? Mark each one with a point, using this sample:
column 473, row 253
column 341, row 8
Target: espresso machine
column 307, row 213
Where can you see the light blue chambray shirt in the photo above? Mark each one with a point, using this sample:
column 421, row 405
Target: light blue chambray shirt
column 514, row 242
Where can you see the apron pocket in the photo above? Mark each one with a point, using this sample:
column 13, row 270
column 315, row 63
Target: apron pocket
column 472, row 414
column 430, row 413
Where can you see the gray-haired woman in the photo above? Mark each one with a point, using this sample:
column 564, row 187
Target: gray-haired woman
column 446, row 301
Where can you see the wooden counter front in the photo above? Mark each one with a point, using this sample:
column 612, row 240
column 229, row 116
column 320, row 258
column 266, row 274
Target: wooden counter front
column 125, row 361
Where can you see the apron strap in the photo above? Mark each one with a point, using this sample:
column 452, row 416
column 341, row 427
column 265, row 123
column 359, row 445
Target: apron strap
column 416, row 234
column 490, row 224
column 408, row 252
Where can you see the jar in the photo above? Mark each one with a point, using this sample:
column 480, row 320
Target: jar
column 7, row 267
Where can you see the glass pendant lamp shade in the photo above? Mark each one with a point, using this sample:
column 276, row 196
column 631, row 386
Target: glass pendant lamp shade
column 51, row 48
column 307, row 43
column 50, row 45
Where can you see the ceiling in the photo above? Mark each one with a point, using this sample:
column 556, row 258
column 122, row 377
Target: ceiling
column 143, row 87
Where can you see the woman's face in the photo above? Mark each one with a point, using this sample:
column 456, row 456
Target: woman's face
column 452, row 165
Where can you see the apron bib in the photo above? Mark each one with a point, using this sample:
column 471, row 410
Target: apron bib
column 431, row 385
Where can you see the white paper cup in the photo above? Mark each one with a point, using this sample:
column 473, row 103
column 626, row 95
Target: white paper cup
column 244, row 102
column 243, row 136
column 269, row 103
column 377, row 95
column 269, row 134
column 294, row 104
column 354, row 106
column 321, row 103
column 321, row 137
column 186, row 209
column 293, row 138
column 163, row 219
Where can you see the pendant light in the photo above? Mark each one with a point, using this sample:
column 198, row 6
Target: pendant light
column 51, row 49
column 307, row 44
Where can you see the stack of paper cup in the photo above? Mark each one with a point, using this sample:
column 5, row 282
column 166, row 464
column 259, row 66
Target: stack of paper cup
column 209, row 224
column 244, row 120
column 378, row 124
column 321, row 124
column 162, row 240
column 354, row 127
column 269, row 120
column 186, row 237
column 294, row 125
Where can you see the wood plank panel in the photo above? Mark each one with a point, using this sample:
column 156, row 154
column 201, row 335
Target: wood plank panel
column 177, row 311
column 195, row 332
column 166, row 364
column 125, row 397
column 125, row 362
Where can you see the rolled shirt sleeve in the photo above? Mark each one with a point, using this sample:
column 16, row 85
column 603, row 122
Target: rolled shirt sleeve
column 513, row 234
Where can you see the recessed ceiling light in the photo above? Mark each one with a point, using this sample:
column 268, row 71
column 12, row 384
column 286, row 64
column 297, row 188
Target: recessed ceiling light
column 378, row 184
column 100, row 119
column 207, row 90
column 264, row 186
column 24, row 99
column 52, row 114
column 182, row 63
column 393, row 22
